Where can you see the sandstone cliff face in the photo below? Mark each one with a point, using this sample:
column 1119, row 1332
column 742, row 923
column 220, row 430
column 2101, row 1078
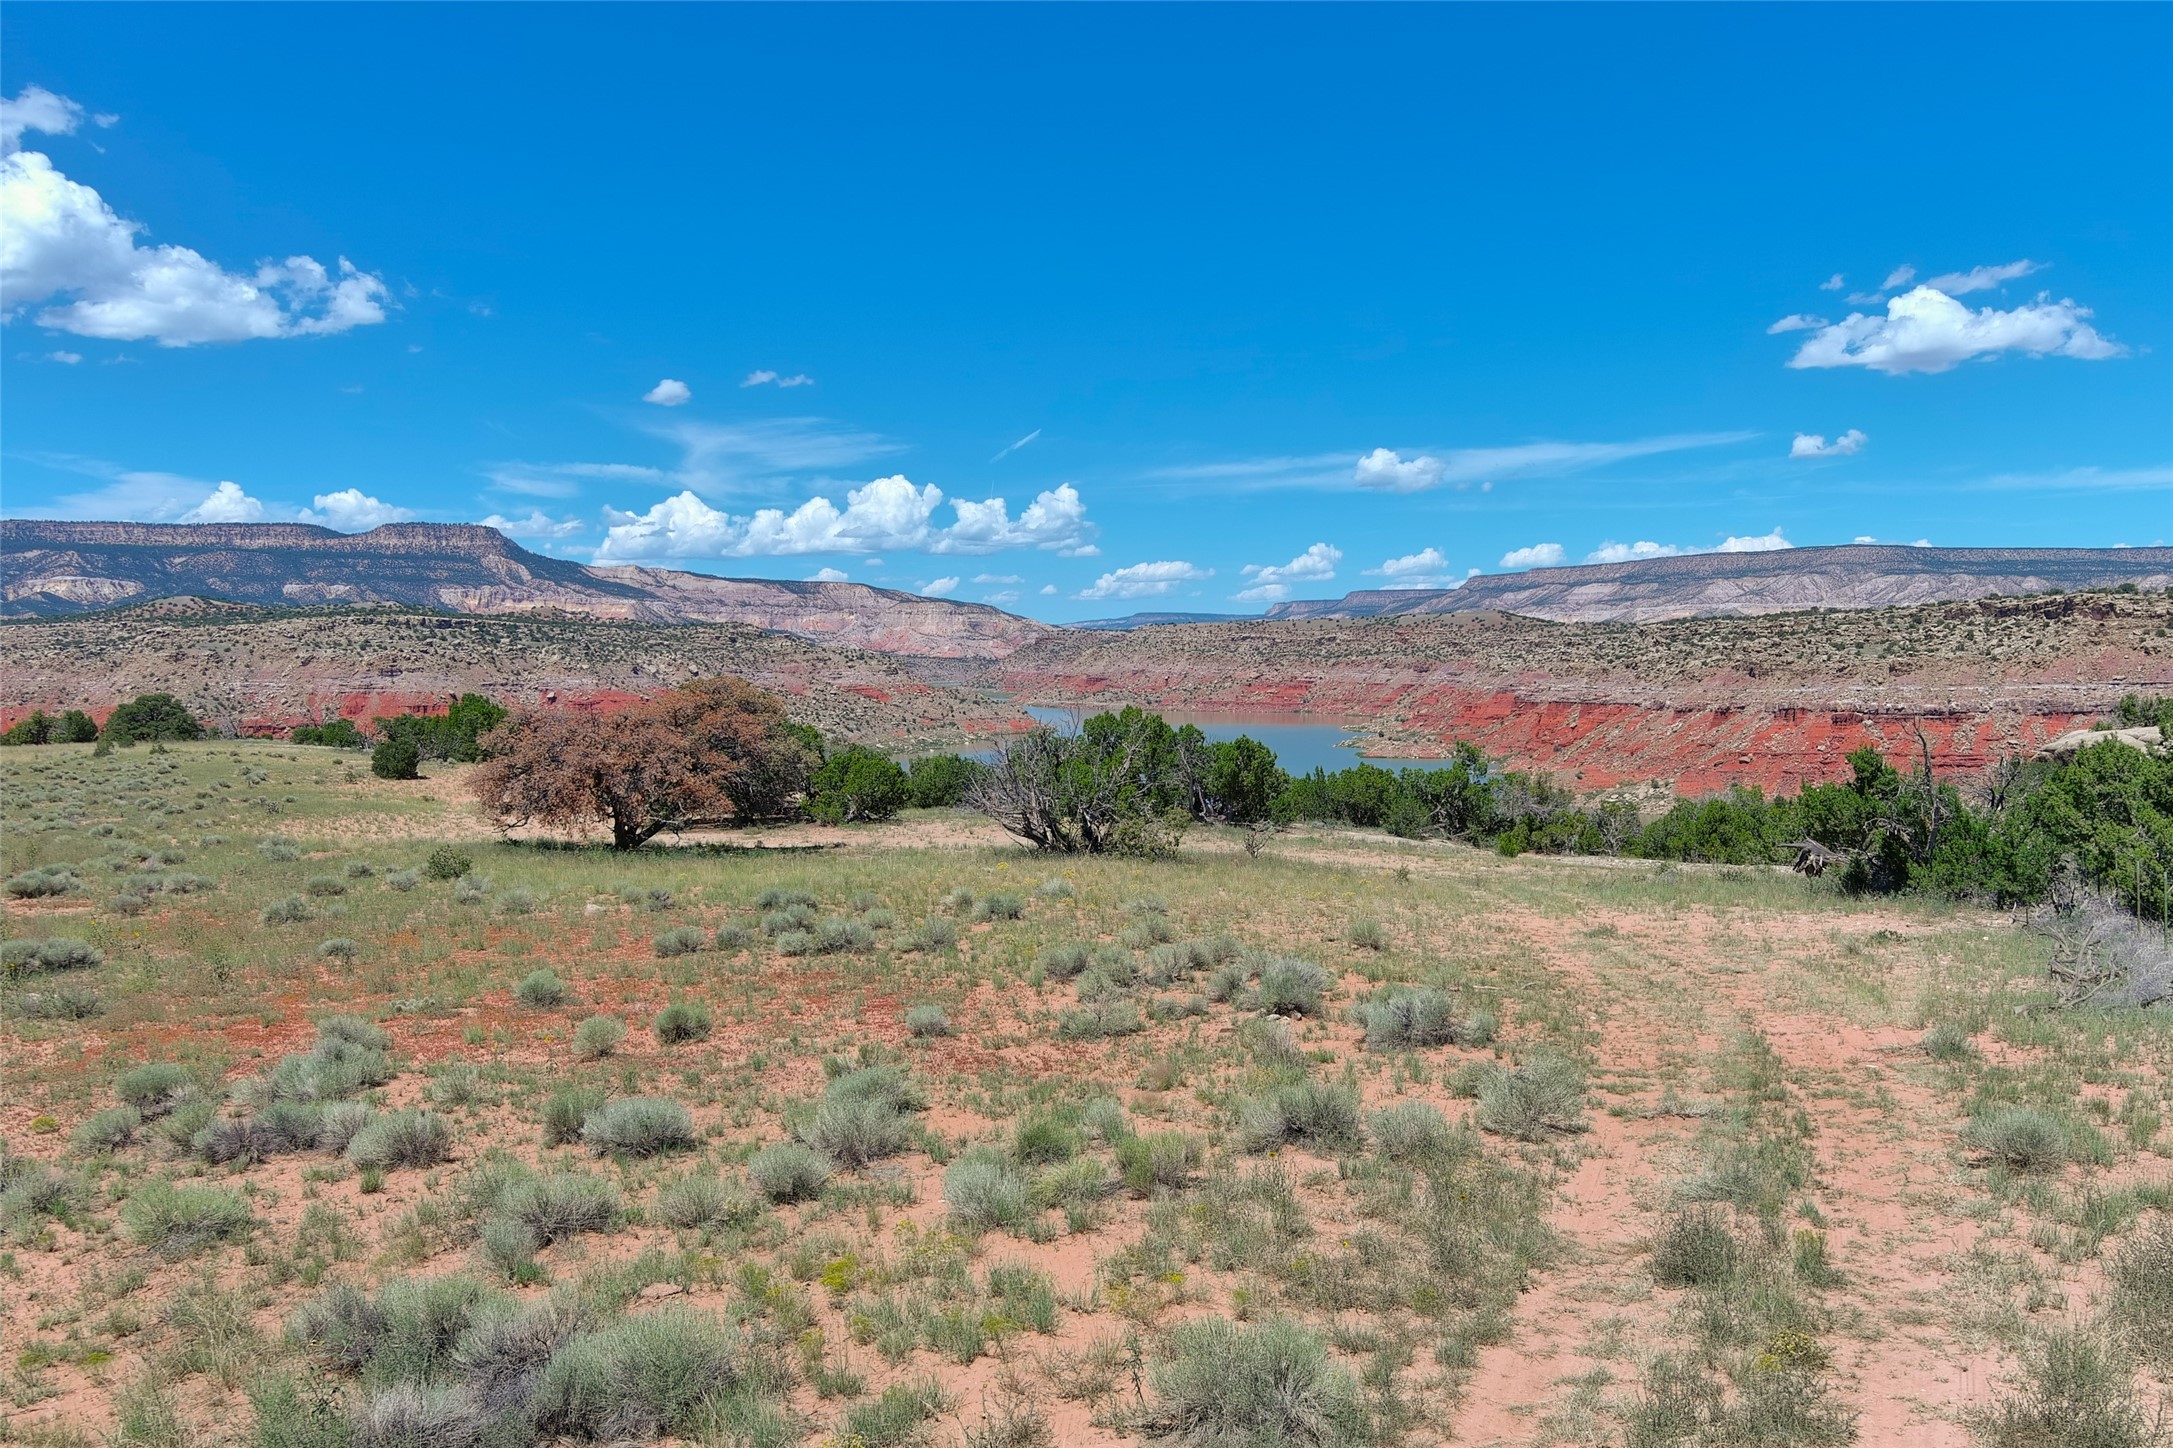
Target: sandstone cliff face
column 1708, row 584
column 51, row 569
column 1695, row 704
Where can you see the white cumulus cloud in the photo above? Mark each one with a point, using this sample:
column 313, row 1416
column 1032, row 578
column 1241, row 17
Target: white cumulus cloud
column 1613, row 552
column 227, row 504
column 1898, row 277
column 765, row 377
column 1427, row 568
column 1833, row 283
column 670, row 392
column 1426, row 560
column 1146, row 580
column 887, row 513
column 1539, row 555
column 60, row 243
column 1926, row 330
column 1797, row 322
column 1814, row 445
column 1392, row 472
column 1055, row 521
column 37, row 109
column 1983, row 278
column 538, row 524
column 829, row 575
column 352, row 511
column 940, row 587
column 1271, row 582
column 997, row 578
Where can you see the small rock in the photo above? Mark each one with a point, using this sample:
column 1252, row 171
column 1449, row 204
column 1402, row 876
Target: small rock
column 592, row 908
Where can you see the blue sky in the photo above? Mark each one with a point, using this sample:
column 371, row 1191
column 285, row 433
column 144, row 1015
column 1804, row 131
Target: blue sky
column 1224, row 304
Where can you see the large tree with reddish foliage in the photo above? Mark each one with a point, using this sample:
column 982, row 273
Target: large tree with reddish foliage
column 714, row 752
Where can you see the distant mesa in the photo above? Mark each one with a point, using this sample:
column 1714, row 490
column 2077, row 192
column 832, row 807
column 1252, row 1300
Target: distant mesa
column 1705, row 585
column 59, row 568
column 50, row 569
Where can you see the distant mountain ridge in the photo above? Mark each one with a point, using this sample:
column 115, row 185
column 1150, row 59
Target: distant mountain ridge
column 1781, row 581
column 57, row 568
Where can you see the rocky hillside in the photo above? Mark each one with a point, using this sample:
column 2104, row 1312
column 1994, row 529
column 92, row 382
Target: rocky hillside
column 256, row 671
column 1696, row 704
column 1706, row 584
column 49, row 569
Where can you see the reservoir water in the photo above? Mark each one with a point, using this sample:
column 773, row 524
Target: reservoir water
column 1301, row 743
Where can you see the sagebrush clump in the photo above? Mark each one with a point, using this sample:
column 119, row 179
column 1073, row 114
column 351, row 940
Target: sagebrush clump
column 638, row 1126
column 542, row 989
column 1539, row 1097
column 683, row 1021
column 598, row 1036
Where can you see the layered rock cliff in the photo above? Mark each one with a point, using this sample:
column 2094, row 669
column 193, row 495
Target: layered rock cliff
column 49, row 569
column 1786, row 580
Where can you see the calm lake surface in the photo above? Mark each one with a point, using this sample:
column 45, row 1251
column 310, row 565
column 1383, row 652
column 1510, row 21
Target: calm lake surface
column 1301, row 745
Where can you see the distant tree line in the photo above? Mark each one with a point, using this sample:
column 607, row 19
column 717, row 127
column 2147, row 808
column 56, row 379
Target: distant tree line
column 147, row 718
column 39, row 727
column 724, row 752
column 1129, row 783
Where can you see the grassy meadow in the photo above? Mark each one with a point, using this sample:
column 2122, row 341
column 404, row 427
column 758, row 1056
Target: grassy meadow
column 333, row 1119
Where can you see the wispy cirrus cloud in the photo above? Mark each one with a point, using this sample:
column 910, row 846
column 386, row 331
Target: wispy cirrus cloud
column 2110, row 480
column 721, row 457
column 564, row 480
column 1384, row 469
column 1462, row 466
column 1983, row 278
column 142, row 495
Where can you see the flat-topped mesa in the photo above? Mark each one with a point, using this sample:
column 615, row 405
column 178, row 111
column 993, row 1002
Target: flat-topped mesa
column 1773, row 581
column 56, row 568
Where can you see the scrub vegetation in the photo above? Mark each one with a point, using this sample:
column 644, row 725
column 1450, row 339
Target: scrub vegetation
column 927, row 1139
